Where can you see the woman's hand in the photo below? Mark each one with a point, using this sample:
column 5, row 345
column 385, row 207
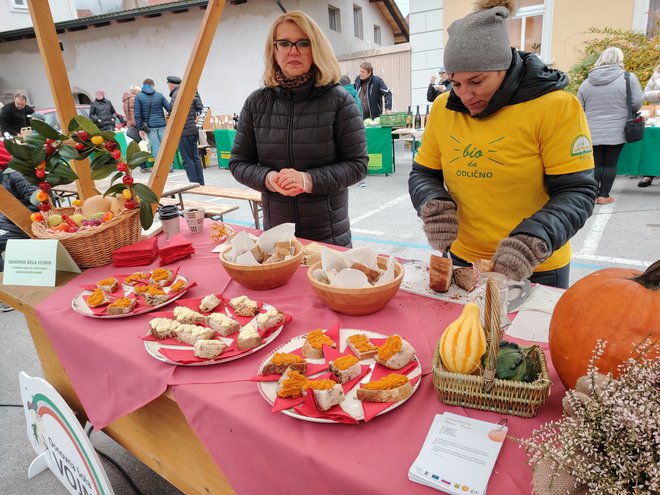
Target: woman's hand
column 292, row 182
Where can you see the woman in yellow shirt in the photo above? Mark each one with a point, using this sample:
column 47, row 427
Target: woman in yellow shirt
column 505, row 170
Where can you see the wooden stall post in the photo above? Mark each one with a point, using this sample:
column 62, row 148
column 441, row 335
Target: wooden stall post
column 185, row 96
column 15, row 211
column 49, row 47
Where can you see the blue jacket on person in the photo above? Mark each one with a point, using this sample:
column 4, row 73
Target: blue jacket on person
column 149, row 105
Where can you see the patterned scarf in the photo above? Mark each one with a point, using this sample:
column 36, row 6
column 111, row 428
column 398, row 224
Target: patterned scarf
column 294, row 82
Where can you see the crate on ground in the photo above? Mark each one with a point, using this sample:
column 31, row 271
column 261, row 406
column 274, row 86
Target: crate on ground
column 393, row 119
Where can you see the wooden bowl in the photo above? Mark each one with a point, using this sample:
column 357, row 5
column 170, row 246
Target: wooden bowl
column 268, row 276
column 357, row 302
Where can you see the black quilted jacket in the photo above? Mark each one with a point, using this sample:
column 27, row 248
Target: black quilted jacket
column 318, row 130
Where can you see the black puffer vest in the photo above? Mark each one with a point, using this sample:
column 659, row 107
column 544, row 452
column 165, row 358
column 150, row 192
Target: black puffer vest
column 318, row 130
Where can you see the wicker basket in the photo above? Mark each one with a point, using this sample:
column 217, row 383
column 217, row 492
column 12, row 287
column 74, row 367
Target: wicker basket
column 505, row 396
column 94, row 247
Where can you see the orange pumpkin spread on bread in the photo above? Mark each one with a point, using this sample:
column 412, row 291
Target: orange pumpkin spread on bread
column 122, row 302
column 320, row 384
column 316, row 338
column 154, row 290
column 284, row 358
column 160, row 274
column 178, row 286
column 345, row 362
column 393, row 380
column 136, row 277
column 96, row 298
column 361, row 342
column 391, row 346
column 292, row 386
column 107, row 281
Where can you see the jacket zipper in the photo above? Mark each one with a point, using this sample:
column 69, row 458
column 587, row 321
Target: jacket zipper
column 290, row 151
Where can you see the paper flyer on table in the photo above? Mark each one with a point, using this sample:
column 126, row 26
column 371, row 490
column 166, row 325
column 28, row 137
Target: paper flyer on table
column 458, row 455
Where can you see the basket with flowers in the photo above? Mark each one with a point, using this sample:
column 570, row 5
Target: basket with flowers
column 93, row 229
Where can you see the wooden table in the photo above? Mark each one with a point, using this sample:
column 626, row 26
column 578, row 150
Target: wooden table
column 172, row 188
column 250, row 195
column 172, row 450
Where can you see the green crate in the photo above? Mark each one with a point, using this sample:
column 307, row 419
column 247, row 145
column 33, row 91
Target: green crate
column 393, row 119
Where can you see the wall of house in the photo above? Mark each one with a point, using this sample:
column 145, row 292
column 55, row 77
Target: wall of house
column 12, row 17
column 426, row 41
column 116, row 56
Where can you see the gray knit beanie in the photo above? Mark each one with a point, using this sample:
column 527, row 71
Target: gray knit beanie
column 479, row 41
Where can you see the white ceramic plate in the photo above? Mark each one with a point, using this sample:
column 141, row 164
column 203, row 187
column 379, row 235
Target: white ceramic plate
column 351, row 404
column 154, row 347
column 80, row 306
column 416, row 280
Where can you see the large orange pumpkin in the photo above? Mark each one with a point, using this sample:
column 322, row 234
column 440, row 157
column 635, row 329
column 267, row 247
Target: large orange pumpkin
column 619, row 305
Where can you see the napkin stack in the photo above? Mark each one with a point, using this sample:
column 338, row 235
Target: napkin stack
column 141, row 253
column 177, row 249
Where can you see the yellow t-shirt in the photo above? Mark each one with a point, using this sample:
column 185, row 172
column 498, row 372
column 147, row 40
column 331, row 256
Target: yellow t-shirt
column 494, row 168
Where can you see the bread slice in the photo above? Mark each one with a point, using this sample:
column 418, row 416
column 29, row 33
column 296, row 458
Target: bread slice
column 273, row 258
column 121, row 306
column 209, row 349
column 97, row 298
column 440, row 272
column 188, row 316
column 189, row 334
column 361, row 346
column 345, row 368
column 244, row 306
column 209, row 303
column 313, row 346
column 258, row 253
column 177, row 286
column 372, row 275
column 283, row 249
column 466, row 278
column 291, row 384
column 137, row 278
column 327, row 393
column 223, row 324
column 248, row 338
column 155, row 296
column 395, row 353
column 109, row 284
column 269, row 319
column 283, row 360
column 162, row 276
column 391, row 388
column 163, row 328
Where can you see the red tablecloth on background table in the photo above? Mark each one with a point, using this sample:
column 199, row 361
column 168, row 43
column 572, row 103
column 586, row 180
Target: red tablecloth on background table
column 262, row 452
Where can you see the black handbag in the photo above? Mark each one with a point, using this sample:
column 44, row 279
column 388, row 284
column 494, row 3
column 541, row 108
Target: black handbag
column 634, row 129
column 134, row 134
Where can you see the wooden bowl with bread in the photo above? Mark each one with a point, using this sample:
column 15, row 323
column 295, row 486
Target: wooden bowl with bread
column 267, row 275
column 357, row 302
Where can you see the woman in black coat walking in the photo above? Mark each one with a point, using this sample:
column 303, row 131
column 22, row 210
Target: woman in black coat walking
column 301, row 139
column 102, row 113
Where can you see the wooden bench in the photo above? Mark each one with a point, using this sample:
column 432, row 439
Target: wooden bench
column 250, row 195
column 210, row 209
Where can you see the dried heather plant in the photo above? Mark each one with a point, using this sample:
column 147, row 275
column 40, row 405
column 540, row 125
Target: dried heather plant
column 610, row 443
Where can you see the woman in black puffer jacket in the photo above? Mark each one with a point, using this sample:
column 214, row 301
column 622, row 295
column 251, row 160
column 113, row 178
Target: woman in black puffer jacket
column 102, row 113
column 301, row 139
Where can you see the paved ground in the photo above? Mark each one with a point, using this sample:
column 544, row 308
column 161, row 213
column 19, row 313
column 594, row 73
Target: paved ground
column 624, row 234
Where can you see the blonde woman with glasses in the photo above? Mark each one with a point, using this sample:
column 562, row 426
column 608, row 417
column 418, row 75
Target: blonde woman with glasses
column 300, row 140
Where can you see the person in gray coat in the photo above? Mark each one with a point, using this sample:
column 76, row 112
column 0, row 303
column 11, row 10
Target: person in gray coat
column 300, row 140
column 603, row 97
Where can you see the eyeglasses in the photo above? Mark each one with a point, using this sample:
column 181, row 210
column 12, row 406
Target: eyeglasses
column 285, row 46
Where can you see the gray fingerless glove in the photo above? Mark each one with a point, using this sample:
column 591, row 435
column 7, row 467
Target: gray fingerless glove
column 518, row 255
column 440, row 223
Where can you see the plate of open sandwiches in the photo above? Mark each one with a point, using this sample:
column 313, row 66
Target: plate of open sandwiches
column 122, row 296
column 212, row 330
column 439, row 279
column 339, row 375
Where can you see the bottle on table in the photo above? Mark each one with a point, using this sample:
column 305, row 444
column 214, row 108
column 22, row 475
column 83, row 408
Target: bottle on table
column 418, row 119
column 426, row 116
column 409, row 118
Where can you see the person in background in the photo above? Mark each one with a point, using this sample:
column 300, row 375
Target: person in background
column 102, row 113
column 513, row 180
column 149, row 115
column 15, row 115
column 188, row 141
column 603, row 97
column 438, row 85
column 132, row 131
column 372, row 91
column 652, row 95
column 348, row 86
column 300, row 139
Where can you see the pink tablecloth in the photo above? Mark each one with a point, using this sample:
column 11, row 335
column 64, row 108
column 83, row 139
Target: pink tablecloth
column 262, row 452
